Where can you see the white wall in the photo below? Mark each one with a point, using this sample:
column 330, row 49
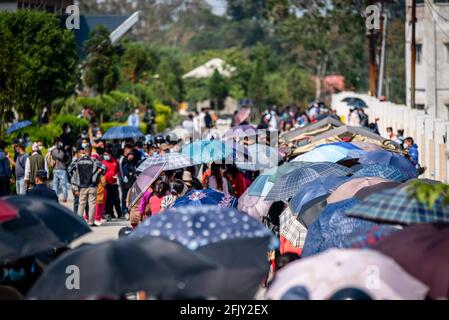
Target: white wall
column 429, row 133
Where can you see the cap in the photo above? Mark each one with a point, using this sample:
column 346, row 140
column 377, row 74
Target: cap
column 41, row 174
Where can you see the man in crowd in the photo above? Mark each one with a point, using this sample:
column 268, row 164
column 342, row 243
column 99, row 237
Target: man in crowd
column 133, row 119
column 128, row 174
column 34, row 163
column 5, row 172
column 20, row 169
column 61, row 158
column 41, row 189
column 112, row 192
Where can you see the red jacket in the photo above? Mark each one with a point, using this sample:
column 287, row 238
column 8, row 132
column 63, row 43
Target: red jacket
column 112, row 169
column 239, row 184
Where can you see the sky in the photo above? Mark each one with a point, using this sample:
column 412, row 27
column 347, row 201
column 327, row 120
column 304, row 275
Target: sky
column 218, row 6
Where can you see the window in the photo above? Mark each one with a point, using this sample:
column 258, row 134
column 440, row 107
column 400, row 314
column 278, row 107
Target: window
column 418, row 53
column 446, row 45
column 420, row 106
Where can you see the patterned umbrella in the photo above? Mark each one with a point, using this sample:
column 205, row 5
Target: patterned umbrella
column 367, row 146
column 367, row 239
column 206, row 197
column 314, row 189
column 378, row 170
column 121, row 133
column 261, row 186
column 400, row 207
column 18, row 126
column 329, row 153
column 235, row 241
column 143, row 182
column 336, row 269
column 171, row 161
column 290, row 183
column 254, row 206
column 389, row 158
column 291, row 229
column 207, row 151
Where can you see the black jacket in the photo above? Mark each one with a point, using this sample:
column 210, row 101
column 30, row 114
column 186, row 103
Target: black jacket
column 42, row 191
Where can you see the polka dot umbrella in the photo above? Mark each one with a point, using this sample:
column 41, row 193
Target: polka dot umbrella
column 206, row 197
column 233, row 240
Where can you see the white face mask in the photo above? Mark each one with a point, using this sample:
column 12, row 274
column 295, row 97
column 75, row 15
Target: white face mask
column 107, row 158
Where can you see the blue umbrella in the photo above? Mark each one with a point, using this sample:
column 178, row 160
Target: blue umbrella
column 206, row 151
column 233, row 240
column 18, row 126
column 378, row 170
column 333, row 228
column 346, row 145
column 384, row 157
column 207, row 197
column 122, row 132
column 315, row 189
column 330, row 153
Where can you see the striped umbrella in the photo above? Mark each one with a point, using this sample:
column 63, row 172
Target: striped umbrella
column 401, row 207
column 378, row 170
column 171, row 161
column 287, row 186
column 389, row 158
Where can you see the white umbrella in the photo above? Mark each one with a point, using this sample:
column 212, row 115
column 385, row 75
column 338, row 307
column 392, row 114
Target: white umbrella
column 254, row 206
column 324, row 274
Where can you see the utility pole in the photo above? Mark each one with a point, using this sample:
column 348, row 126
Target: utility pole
column 413, row 56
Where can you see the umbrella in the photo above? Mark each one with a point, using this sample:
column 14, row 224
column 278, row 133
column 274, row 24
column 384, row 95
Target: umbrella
column 349, row 188
column 291, row 229
column 367, row 146
column 291, row 182
column 261, row 157
column 254, row 206
column 242, row 115
column 365, row 192
column 143, row 182
column 111, row 269
column 332, row 228
column 206, row 151
column 42, row 224
column 7, row 212
column 329, row 153
column 389, row 158
column 345, row 145
column 401, row 207
column 261, row 186
column 312, row 210
column 206, row 197
column 317, row 188
column 324, row 274
column 378, row 170
column 230, row 238
column 121, row 133
column 422, row 250
column 241, row 131
column 170, row 161
column 354, row 101
column 327, row 115
column 367, row 239
column 18, row 126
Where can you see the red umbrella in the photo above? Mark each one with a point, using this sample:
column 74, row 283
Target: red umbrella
column 7, row 211
column 242, row 115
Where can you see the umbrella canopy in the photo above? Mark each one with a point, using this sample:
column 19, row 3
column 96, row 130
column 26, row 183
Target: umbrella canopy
column 143, row 182
column 349, row 188
column 335, row 269
column 230, row 238
column 378, row 170
column 206, row 197
column 42, row 224
column 254, row 206
column 242, row 115
column 121, row 133
column 261, row 186
column 291, row 182
column 333, row 227
column 317, row 188
column 291, row 229
column 261, row 157
column 312, row 210
column 111, row 269
column 206, row 151
column 367, row 239
column 330, row 153
column 18, row 126
column 327, row 115
column 422, row 250
column 367, row 146
column 354, row 101
column 401, row 207
column 241, row 131
column 7, row 211
column 170, row 161
column 389, row 158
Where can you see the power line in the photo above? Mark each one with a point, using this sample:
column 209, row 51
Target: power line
column 436, row 20
column 430, row 5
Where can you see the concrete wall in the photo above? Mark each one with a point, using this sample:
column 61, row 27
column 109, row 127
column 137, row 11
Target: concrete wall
column 430, row 134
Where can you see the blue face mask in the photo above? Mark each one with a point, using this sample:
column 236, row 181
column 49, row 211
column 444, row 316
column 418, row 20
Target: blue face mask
column 84, row 145
column 14, row 275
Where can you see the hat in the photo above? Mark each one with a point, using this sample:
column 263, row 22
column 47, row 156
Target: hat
column 187, row 177
column 41, row 174
column 35, row 147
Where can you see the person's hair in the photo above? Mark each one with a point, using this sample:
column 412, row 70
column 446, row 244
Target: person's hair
column 284, row 259
column 88, row 149
column 129, row 146
column 410, row 139
column 389, row 128
column 400, row 132
column 178, row 187
column 138, row 144
column 57, row 140
column 232, row 170
column 161, row 189
column 108, row 150
column 216, row 172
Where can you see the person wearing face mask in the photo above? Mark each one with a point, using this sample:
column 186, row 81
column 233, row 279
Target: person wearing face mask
column 34, row 163
column 412, row 150
column 128, row 174
column 66, row 137
column 112, row 174
column 82, row 139
column 61, row 159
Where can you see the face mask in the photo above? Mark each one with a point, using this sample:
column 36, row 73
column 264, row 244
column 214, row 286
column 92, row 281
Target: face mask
column 107, row 158
column 84, row 145
column 60, row 145
column 164, row 178
column 68, row 130
column 406, row 146
column 14, row 275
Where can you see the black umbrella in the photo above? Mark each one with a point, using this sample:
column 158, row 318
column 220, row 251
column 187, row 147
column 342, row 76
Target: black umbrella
column 161, row 267
column 42, row 224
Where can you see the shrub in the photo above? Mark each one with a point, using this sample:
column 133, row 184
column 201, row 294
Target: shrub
column 75, row 123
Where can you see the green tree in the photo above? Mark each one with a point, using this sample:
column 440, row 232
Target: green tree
column 38, row 62
column 218, row 89
column 101, row 71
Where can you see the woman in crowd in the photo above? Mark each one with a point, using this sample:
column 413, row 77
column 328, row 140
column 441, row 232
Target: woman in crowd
column 216, row 180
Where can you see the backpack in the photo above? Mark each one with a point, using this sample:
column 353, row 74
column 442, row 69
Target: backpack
column 51, row 162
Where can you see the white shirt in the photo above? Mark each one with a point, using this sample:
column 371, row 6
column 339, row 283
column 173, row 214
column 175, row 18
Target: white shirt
column 27, row 167
column 133, row 120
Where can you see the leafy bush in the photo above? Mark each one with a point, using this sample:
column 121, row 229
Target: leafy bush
column 163, row 116
column 108, row 125
column 75, row 123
